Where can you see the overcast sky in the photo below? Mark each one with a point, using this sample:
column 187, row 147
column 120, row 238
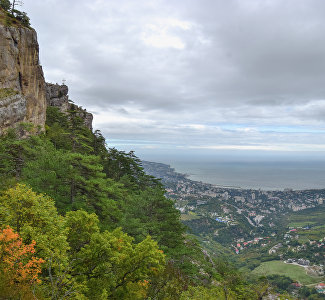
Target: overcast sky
column 191, row 74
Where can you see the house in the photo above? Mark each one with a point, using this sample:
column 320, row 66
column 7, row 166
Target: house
column 303, row 262
column 320, row 288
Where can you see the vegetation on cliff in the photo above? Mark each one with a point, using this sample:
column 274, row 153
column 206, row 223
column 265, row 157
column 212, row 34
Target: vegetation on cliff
column 12, row 16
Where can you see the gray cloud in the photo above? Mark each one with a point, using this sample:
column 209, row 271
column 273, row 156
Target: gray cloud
column 184, row 72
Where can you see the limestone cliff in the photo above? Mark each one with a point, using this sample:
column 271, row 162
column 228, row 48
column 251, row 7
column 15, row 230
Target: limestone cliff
column 24, row 94
column 22, row 84
column 57, row 95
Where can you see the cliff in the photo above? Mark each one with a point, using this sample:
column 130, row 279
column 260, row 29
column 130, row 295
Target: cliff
column 57, row 95
column 22, row 84
column 24, row 94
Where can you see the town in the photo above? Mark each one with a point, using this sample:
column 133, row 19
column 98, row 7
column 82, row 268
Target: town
column 285, row 226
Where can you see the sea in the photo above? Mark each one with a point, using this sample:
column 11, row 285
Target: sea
column 253, row 171
column 256, row 175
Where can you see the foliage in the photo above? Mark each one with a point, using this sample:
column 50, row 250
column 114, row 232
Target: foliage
column 12, row 16
column 19, row 268
column 203, row 293
column 282, row 283
column 22, row 17
column 6, row 5
column 149, row 212
column 112, row 262
column 34, row 217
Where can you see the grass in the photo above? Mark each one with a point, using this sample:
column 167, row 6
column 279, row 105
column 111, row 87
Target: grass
column 4, row 93
column 293, row 271
column 7, row 19
column 312, row 216
column 190, row 216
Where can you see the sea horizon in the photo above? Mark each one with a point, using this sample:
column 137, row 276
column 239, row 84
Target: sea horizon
column 265, row 171
column 256, row 175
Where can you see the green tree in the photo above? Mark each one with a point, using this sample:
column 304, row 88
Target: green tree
column 81, row 226
column 204, row 293
column 74, row 180
column 5, row 4
column 111, row 264
column 34, row 217
column 22, row 17
column 150, row 213
column 12, row 157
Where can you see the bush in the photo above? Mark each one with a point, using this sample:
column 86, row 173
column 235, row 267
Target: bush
column 5, row 4
column 22, row 17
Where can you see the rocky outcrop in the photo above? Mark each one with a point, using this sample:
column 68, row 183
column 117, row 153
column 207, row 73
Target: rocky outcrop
column 57, row 95
column 21, row 72
column 12, row 110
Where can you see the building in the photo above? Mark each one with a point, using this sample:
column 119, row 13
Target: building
column 320, row 288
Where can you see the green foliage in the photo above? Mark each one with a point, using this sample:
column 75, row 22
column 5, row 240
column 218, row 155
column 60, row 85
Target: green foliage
column 282, row 283
column 22, row 17
column 111, row 262
column 203, row 293
column 5, row 4
column 11, row 157
column 81, row 226
column 149, row 212
column 309, row 293
column 34, row 217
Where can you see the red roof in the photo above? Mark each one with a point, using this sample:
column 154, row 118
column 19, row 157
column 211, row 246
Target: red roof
column 296, row 284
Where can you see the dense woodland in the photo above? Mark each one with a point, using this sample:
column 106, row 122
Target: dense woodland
column 81, row 221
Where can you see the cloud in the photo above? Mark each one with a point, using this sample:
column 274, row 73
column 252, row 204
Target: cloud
column 207, row 72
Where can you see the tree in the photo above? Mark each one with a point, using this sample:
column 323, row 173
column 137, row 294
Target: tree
column 203, row 293
column 19, row 268
column 149, row 212
column 35, row 217
column 12, row 157
column 126, row 168
column 74, row 180
column 81, row 226
column 22, row 17
column 5, row 4
column 112, row 264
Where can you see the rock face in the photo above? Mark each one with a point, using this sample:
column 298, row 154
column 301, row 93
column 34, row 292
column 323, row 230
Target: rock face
column 57, row 95
column 20, row 71
column 24, row 94
column 12, row 110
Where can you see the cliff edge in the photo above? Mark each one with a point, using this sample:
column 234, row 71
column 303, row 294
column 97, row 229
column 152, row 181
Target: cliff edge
column 22, row 84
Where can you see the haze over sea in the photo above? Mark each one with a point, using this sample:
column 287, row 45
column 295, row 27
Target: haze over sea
column 251, row 170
